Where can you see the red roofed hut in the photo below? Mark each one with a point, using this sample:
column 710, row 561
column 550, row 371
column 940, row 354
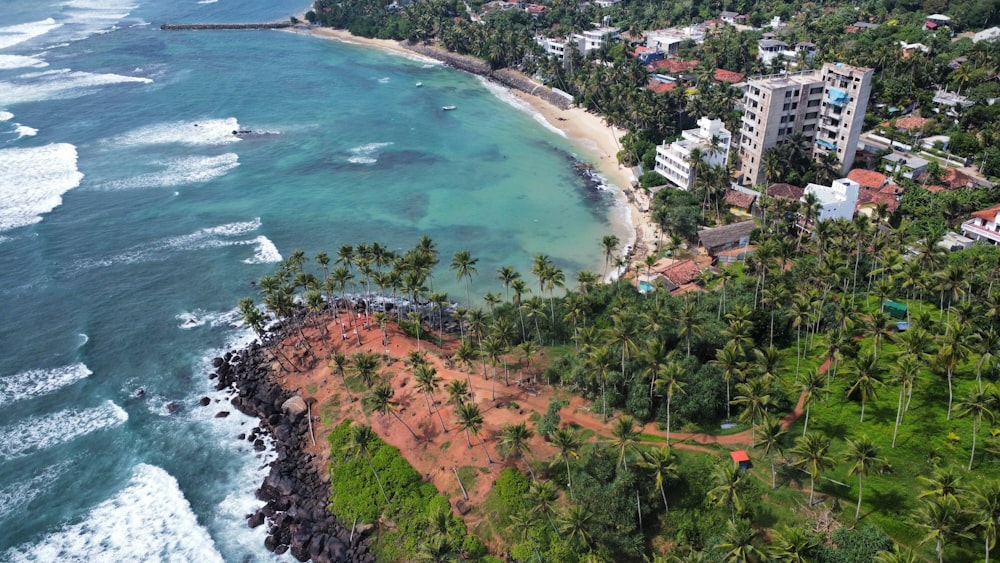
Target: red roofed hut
column 741, row 459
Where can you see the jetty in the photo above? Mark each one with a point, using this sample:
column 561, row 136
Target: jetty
column 187, row 26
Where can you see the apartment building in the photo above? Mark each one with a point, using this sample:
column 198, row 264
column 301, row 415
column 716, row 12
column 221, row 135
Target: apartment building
column 673, row 159
column 827, row 106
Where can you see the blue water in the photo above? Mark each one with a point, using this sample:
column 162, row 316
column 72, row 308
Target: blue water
column 131, row 221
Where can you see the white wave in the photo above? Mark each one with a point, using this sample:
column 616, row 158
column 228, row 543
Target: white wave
column 84, row 339
column 36, row 382
column 366, row 154
column 206, row 1
column 211, row 237
column 89, row 17
column 19, row 494
column 200, row 317
column 32, row 181
column 265, row 253
column 6, row 116
column 383, row 80
column 180, row 171
column 148, row 520
column 8, row 62
column 42, row 432
column 60, row 84
column 13, row 34
column 201, row 132
column 507, row 96
column 24, row 131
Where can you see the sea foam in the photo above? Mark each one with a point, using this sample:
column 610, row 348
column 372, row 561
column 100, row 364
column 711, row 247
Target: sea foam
column 8, row 62
column 46, row 431
column 32, row 181
column 265, row 252
column 179, row 172
column 13, row 34
column 59, row 84
column 17, row 495
column 366, row 154
column 37, row 382
column 201, row 132
column 201, row 317
column 148, row 520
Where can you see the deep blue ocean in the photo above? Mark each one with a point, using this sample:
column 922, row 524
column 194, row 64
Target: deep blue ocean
column 132, row 220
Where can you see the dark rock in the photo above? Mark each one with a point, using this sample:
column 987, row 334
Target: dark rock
column 173, row 407
column 281, row 549
column 222, row 414
column 216, row 362
column 204, row 401
column 241, row 436
column 258, row 445
column 256, row 519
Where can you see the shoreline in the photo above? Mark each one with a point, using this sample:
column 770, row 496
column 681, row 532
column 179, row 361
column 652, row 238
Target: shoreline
column 585, row 130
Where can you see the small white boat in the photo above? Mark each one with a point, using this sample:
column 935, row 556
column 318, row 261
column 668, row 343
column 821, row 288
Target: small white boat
column 448, row 108
column 419, row 84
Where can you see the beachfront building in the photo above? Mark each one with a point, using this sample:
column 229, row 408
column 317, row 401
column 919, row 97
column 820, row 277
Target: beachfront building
column 556, row 46
column 836, row 201
column 827, row 106
column 670, row 39
column 984, row 225
column 592, row 39
column 673, row 160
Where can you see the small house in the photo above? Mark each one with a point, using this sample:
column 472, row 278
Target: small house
column 741, row 459
column 894, row 309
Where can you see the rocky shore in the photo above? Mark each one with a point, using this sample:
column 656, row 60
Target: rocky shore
column 295, row 492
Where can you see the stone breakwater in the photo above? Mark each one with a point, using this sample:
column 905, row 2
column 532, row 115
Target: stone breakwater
column 190, row 26
column 508, row 77
column 295, row 493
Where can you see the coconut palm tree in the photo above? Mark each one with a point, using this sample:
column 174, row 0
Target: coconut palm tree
column 978, row 405
column 542, row 496
column 737, row 542
column 663, row 465
column 985, row 512
column 812, row 453
column 514, row 442
column 359, row 443
column 575, row 526
column 458, row 390
column 812, row 384
column 755, row 396
column 609, row 244
column 863, row 456
column 690, row 324
column 626, row 437
column 867, row 374
column 253, row 318
column 567, row 442
column 728, row 490
column 943, row 484
column 669, row 384
column 625, row 334
column 427, row 378
column 793, row 544
column 942, row 520
column 471, row 420
column 769, row 442
column 904, row 372
column 730, row 361
column 464, row 266
column 365, row 366
column 953, row 349
column 379, row 399
column 507, row 275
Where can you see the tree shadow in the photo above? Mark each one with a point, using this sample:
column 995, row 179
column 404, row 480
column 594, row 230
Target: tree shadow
column 886, row 501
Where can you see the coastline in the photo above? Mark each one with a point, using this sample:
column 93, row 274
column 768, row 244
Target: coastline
column 585, row 130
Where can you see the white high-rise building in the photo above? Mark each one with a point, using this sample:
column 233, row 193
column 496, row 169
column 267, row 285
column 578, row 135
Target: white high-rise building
column 827, row 106
column 672, row 159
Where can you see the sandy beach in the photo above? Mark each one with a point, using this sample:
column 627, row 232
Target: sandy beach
column 588, row 131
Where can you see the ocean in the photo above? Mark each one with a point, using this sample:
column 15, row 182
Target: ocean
column 132, row 219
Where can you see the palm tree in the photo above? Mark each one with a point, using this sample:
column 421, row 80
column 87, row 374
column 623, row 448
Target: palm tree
column 360, row 442
column 953, row 350
column 863, row 456
column 813, row 452
column 771, row 433
column 942, row 520
column 978, row 405
column 625, row 438
column 728, row 490
column 541, row 496
column 428, row 380
column 470, row 420
column 905, row 372
column 799, row 314
column 729, row 360
column 379, row 398
column 514, row 442
column 464, row 265
column 755, row 396
column 457, row 391
column 669, row 383
column 897, row 555
column 793, row 544
column 811, row 385
column 737, row 542
column 365, row 366
column 567, row 441
column 507, row 275
column 867, row 377
column 985, row 512
column 662, row 464
column 943, row 484
column 609, row 244
column 690, row 325
column 253, row 318
column 625, row 334
column 574, row 525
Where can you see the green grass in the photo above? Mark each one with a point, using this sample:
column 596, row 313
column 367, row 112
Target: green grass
column 330, row 410
column 311, row 388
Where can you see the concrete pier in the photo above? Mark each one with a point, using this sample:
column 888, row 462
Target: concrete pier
column 185, row 26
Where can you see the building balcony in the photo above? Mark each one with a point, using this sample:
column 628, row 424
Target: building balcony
column 971, row 230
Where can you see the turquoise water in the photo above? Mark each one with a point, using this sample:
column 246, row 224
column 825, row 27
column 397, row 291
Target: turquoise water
column 131, row 221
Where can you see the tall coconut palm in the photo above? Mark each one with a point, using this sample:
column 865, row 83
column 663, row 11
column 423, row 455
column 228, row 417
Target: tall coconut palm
column 755, row 397
column 793, row 544
column 609, row 244
column 458, row 390
column 942, row 520
column 471, row 420
column 729, row 360
column 464, row 266
column 662, row 464
column 904, row 372
column 953, row 349
column 365, row 366
column 728, row 490
column 985, row 512
column 769, row 442
column 514, row 442
column 810, row 387
column 863, row 456
column 812, row 453
column 867, row 373
column 379, row 399
column 253, row 318
column 359, row 443
column 624, row 333
column 737, row 542
column 567, row 442
column 427, row 378
column 978, row 405
column 507, row 275
column 575, row 526
column 542, row 496
column 669, row 384
column 690, row 324
column 625, row 438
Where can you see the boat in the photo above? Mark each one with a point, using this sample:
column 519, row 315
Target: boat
column 448, row 108
column 419, row 84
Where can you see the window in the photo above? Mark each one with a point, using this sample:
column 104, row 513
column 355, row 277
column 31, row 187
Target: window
column 812, row 103
column 796, row 94
column 812, row 115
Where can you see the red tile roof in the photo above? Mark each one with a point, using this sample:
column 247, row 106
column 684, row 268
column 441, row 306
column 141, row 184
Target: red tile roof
column 660, row 87
column 955, row 179
column 672, row 65
column 868, row 178
column 989, row 214
column 872, row 197
column 739, row 199
column 641, row 49
column 911, row 123
column 723, row 75
column 785, row 191
column 935, row 188
column 892, row 189
column 739, row 456
column 682, row 272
